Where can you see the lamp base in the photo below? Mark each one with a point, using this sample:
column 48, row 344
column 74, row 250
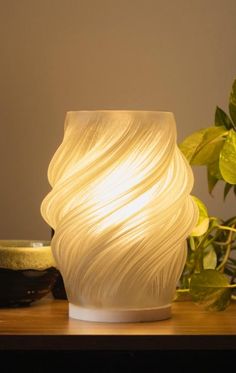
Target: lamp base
column 123, row 315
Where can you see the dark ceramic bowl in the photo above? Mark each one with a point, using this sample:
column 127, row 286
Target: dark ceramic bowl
column 27, row 272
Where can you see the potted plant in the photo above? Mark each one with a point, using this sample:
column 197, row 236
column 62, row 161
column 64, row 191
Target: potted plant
column 209, row 276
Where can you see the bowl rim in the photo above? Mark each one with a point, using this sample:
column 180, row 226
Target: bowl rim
column 21, row 243
column 22, row 257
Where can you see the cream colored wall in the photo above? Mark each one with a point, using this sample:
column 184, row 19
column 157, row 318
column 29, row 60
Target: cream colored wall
column 61, row 55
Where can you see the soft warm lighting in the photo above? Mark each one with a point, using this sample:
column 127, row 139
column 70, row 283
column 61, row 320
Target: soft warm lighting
column 121, row 209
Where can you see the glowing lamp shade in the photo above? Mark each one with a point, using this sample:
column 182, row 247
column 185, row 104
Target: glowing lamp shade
column 121, row 209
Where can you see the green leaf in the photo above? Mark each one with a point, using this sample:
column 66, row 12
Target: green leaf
column 227, row 189
column 222, row 119
column 232, row 104
column 228, row 158
column 210, row 258
column 182, row 295
column 210, row 289
column 213, row 175
column 211, row 180
column 203, row 219
column 209, row 149
column 203, row 147
column 214, row 169
column 190, row 144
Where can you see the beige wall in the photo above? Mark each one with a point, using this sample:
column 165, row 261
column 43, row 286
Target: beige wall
column 61, row 55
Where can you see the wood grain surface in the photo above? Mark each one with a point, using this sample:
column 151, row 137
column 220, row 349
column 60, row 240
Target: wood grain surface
column 45, row 325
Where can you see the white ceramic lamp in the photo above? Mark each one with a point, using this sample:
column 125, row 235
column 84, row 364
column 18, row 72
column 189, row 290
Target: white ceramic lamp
column 121, row 209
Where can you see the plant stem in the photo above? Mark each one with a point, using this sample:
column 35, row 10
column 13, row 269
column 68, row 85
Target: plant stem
column 223, row 227
column 221, row 266
column 206, row 235
column 200, row 247
column 192, row 243
column 223, row 243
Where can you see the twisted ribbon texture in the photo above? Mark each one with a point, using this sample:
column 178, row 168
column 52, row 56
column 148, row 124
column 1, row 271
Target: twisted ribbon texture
column 121, row 208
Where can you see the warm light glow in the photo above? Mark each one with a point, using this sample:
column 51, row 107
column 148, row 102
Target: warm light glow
column 121, row 208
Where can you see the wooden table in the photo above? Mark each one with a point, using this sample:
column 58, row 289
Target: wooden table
column 46, row 326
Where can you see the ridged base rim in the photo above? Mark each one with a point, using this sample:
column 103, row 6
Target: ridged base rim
column 118, row 315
